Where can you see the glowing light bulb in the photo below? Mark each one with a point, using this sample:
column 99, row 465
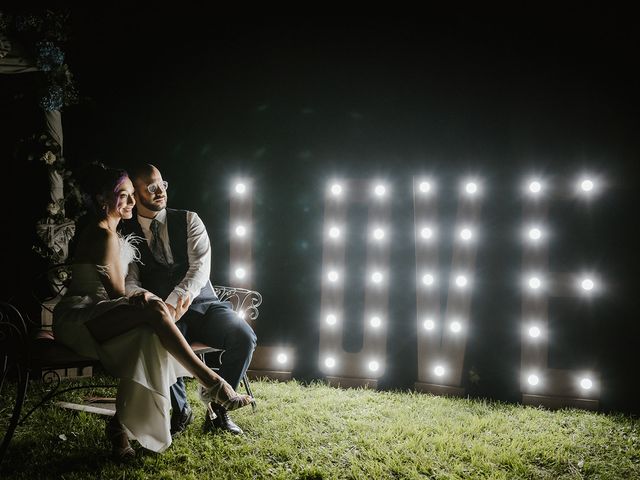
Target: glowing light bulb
column 586, row 185
column 374, row 366
column 533, row 379
column 439, row 370
column 281, row 358
column 466, row 234
column 535, row 283
column 331, row 319
column 586, row 383
column 455, row 326
column 425, row 187
column 330, row 362
column 471, row 188
column 535, row 186
column 534, row 332
column 336, row 189
column 376, row 277
column 240, row 272
column 240, row 188
column 333, row 276
column 428, row 279
column 535, row 233
column 375, row 322
column 378, row 234
column 587, row 284
column 380, row 190
column 429, row 324
column 334, row 232
column 241, row 230
column 426, row 233
column 461, row 281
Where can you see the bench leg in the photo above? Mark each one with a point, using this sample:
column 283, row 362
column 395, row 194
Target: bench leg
column 21, row 393
column 245, row 380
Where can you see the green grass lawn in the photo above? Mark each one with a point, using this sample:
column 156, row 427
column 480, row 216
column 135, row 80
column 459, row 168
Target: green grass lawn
column 318, row 432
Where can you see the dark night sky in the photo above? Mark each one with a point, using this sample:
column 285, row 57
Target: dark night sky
column 294, row 100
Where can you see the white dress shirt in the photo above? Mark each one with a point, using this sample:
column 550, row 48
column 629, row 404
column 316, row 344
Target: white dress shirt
column 198, row 254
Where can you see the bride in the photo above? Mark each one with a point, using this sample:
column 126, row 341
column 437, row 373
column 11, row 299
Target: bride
column 134, row 338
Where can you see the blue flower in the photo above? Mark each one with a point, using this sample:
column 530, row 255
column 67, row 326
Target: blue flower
column 53, row 100
column 49, row 56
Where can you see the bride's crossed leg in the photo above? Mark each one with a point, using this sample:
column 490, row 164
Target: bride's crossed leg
column 155, row 314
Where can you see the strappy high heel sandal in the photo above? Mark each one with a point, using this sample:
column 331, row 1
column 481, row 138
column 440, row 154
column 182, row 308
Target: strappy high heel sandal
column 224, row 395
column 121, row 450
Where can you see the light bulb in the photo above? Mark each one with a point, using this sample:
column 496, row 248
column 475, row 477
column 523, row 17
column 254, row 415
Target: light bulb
column 586, row 383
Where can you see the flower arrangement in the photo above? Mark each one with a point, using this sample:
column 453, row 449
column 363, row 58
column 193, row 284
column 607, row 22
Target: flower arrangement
column 34, row 42
column 43, row 148
column 57, row 227
column 43, row 36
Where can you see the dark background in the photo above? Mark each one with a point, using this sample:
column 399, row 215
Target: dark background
column 292, row 101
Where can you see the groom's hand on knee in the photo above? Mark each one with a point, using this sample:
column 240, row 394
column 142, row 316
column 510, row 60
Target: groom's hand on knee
column 182, row 305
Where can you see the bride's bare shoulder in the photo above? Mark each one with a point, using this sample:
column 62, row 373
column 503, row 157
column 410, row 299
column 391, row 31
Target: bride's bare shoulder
column 94, row 242
column 97, row 233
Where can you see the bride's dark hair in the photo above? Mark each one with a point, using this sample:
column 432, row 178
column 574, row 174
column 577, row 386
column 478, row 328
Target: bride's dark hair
column 97, row 182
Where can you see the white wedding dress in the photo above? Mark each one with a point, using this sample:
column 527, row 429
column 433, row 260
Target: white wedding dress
column 145, row 369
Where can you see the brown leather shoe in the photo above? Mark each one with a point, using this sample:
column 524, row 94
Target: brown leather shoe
column 217, row 419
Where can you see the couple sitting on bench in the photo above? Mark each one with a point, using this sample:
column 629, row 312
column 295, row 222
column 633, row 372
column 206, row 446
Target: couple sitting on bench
column 135, row 300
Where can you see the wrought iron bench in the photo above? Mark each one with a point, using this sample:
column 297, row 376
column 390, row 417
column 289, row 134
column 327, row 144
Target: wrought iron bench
column 29, row 352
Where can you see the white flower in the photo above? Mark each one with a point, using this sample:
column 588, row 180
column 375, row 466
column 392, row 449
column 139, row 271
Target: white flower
column 49, row 158
column 53, row 208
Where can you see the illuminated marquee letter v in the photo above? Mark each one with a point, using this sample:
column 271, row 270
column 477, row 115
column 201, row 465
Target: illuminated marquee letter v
column 442, row 336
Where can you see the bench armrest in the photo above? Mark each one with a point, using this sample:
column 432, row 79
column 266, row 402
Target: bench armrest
column 245, row 302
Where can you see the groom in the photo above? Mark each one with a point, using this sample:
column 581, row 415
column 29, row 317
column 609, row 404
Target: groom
column 176, row 262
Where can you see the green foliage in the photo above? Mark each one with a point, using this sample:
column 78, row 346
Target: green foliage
column 318, row 432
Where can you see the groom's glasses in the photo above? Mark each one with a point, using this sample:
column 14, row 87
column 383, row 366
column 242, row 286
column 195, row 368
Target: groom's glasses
column 153, row 188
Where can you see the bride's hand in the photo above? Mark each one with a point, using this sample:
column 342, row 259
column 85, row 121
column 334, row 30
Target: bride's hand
column 141, row 299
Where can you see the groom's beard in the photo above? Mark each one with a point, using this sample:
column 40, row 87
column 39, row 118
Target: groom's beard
column 153, row 206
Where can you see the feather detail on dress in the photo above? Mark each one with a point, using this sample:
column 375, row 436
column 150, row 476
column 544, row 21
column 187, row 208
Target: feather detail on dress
column 128, row 251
